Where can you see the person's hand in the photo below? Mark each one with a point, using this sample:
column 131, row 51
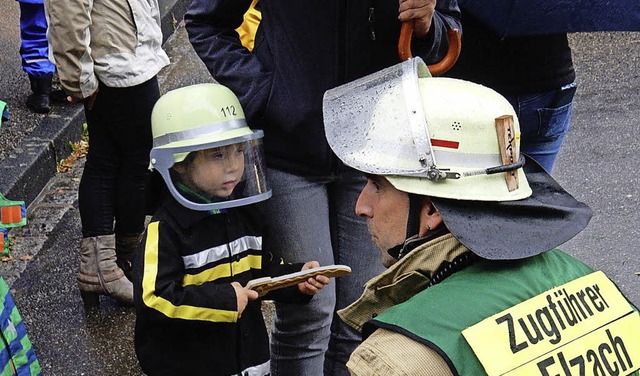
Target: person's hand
column 88, row 101
column 243, row 296
column 314, row 284
column 421, row 11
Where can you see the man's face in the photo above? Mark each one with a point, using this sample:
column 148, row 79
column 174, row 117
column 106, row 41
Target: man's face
column 386, row 210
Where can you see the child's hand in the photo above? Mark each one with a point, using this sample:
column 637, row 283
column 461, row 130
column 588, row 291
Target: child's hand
column 243, row 296
column 312, row 285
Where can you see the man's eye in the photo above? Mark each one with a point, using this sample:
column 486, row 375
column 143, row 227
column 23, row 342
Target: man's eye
column 375, row 184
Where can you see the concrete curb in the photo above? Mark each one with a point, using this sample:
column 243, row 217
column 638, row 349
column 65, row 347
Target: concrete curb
column 33, row 163
column 26, row 171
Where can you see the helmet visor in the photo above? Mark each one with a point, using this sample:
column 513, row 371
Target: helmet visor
column 215, row 175
column 438, row 136
column 357, row 125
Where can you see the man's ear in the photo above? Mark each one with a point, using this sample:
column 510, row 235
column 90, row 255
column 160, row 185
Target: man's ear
column 429, row 217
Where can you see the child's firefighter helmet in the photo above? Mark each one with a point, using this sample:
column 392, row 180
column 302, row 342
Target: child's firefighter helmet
column 201, row 117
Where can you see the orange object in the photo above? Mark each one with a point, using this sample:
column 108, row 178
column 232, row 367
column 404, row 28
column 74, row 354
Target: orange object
column 11, row 214
column 4, row 241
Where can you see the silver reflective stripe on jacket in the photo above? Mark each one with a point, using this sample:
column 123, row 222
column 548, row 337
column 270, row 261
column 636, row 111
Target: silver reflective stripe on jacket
column 220, row 252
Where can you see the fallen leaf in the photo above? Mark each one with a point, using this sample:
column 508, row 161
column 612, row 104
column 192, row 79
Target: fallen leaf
column 6, row 258
column 26, row 258
column 78, row 150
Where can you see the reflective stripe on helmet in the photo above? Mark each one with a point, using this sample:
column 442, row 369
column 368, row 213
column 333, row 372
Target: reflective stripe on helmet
column 193, row 133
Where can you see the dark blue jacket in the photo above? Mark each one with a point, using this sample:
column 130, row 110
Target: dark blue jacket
column 303, row 48
column 513, row 65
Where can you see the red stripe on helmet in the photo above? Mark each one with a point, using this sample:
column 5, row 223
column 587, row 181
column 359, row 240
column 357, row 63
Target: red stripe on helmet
column 445, row 143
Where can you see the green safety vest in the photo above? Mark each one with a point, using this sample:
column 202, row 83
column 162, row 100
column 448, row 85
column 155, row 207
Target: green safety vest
column 437, row 316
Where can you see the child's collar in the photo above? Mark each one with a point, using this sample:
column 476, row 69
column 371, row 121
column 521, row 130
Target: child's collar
column 197, row 197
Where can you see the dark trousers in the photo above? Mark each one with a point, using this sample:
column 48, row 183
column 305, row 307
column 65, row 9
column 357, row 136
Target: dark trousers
column 113, row 189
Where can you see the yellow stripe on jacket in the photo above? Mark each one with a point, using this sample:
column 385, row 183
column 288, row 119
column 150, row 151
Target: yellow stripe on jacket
column 164, row 306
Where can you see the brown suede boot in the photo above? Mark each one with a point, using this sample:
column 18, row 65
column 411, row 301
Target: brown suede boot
column 99, row 274
column 126, row 246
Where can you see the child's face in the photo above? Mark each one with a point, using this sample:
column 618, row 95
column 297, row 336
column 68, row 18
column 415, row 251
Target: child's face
column 216, row 171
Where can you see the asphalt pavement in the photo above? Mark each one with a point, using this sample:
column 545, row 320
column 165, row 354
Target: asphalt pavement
column 599, row 161
column 598, row 165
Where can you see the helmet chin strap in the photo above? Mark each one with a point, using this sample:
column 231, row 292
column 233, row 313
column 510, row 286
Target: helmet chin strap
column 413, row 220
column 413, row 228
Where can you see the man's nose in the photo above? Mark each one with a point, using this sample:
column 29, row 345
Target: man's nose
column 363, row 209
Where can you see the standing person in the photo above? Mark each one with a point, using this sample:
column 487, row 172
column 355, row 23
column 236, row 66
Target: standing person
column 34, row 52
column 534, row 73
column 204, row 243
column 303, row 48
column 474, row 283
column 108, row 53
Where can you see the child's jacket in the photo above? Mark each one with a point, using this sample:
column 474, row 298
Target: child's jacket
column 187, row 321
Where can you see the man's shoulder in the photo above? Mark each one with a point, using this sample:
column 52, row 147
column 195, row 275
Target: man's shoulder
column 390, row 353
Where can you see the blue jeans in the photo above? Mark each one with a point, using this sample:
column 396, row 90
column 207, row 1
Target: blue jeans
column 544, row 121
column 313, row 218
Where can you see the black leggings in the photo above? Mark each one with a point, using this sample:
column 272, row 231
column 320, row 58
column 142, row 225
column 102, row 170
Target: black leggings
column 112, row 194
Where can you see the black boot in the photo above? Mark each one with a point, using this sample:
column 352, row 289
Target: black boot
column 58, row 96
column 126, row 246
column 39, row 99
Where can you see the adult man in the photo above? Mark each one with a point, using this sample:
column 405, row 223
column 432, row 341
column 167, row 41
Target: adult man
column 474, row 285
column 303, row 48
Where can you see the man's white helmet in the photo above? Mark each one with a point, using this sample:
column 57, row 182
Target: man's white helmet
column 428, row 135
column 200, row 117
column 458, row 143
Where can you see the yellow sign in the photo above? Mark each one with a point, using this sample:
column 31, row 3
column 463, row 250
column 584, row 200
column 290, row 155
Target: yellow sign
column 584, row 327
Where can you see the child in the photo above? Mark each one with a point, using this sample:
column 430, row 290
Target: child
column 204, row 243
